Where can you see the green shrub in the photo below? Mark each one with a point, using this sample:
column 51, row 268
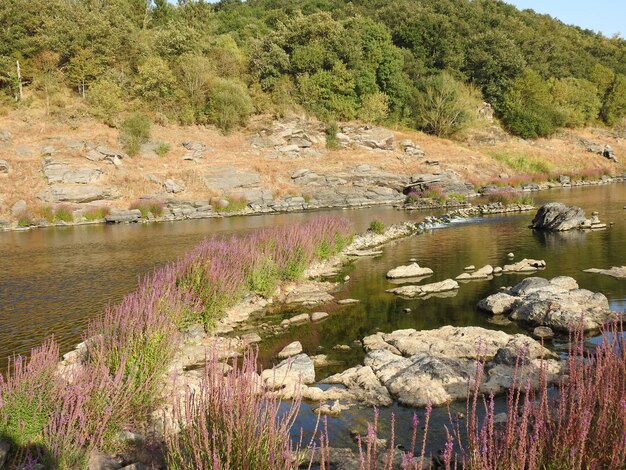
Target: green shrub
column 147, row 207
column 377, row 226
column 135, row 131
column 63, row 214
column 263, row 278
column 457, row 197
column 228, row 104
column 106, row 101
column 47, row 212
column 374, row 108
column 162, row 149
column 331, row 135
column 445, row 106
column 98, row 213
column 235, row 204
column 25, row 219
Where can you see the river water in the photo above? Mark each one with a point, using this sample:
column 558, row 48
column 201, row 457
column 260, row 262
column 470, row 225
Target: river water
column 52, row 281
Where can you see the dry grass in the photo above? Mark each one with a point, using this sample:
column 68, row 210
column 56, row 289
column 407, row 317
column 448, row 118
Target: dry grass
column 472, row 162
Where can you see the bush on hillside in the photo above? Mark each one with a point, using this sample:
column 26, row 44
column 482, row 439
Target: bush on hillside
column 135, row 131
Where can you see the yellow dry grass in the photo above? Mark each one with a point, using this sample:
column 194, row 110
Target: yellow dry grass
column 472, row 162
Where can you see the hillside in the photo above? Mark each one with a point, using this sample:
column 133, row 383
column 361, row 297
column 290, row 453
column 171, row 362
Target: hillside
column 107, row 92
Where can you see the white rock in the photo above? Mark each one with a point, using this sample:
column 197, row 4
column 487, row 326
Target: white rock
column 411, row 270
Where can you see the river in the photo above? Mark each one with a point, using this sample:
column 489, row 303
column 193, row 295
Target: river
column 52, row 281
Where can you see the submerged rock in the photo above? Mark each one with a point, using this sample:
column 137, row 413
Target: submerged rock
column 426, row 289
column 558, row 304
column 618, row 272
column 483, row 273
column 412, row 270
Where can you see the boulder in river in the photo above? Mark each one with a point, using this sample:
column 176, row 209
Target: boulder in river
column 483, row 273
column 426, row 289
column 558, row 217
column 292, row 349
column 290, row 372
column 559, row 304
column 411, row 270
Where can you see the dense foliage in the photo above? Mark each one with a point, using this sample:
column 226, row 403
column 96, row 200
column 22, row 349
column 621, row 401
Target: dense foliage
column 376, row 60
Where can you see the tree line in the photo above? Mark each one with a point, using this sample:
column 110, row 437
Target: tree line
column 426, row 64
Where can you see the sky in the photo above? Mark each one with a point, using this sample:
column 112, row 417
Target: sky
column 605, row 16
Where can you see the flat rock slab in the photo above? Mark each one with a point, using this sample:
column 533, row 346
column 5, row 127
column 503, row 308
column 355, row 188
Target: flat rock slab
column 524, row 266
column 426, row 289
column 119, row 216
column 59, row 172
column 435, row 366
column 411, row 270
column 77, row 193
column 618, row 272
column 558, row 304
column 230, row 178
column 483, row 273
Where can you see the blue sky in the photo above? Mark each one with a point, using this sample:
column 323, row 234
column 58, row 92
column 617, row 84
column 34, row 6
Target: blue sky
column 605, row 16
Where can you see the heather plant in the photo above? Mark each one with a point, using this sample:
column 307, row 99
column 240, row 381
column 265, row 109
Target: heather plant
column 47, row 212
column 232, row 421
column 147, row 207
column 97, row 213
column 506, row 196
column 263, row 276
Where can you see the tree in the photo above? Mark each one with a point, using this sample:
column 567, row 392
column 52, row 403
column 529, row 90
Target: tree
column 576, row 100
column 527, row 108
column 329, row 94
column 374, row 108
column 194, row 75
column 105, row 97
column 228, row 104
column 47, row 75
column 155, row 81
column 83, row 67
column 614, row 106
column 445, row 106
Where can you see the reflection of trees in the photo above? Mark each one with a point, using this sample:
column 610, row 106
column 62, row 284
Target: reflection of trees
column 554, row 240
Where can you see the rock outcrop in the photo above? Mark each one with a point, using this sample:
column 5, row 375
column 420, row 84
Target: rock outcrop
column 79, row 193
column 60, row 172
column 119, row 216
column 558, row 304
column 435, row 366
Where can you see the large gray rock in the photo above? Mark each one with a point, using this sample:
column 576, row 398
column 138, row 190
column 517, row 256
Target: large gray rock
column 174, row 186
column 228, row 179
column 558, row 217
column 558, row 304
column 426, row 289
column 412, row 270
column 76, row 193
column 290, row 372
column 118, row 216
column 4, row 166
column 59, row 172
column 435, row 366
column 18, row 207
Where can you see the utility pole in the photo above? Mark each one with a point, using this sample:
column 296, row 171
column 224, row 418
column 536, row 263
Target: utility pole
column 19, row 81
